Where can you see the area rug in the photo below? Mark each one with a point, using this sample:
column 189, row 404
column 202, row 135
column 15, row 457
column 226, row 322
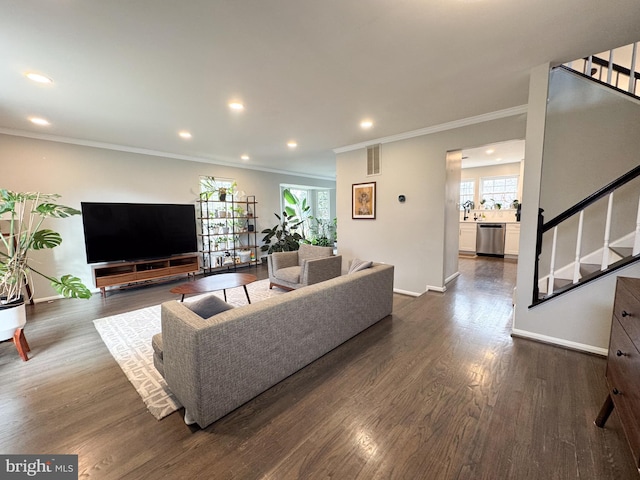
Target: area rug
column 128, row 338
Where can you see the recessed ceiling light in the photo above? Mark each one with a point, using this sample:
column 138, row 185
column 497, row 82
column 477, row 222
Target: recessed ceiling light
column 490, row 151
column 237, row 106
column 39, row 121
column 184, row 134
column 292, row 144
column 366, row 124
column 244, row 157
column 36, row 77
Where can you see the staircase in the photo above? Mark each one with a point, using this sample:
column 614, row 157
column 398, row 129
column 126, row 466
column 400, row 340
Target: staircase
column 577, row 245
column 612, row 256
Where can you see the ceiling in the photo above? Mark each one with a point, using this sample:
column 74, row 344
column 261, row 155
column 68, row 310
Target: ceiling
column 130, row 75
column 496, row 153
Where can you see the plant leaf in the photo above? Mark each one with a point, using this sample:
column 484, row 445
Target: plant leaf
column 45, row 239
column 56, row 211
column 70, row 287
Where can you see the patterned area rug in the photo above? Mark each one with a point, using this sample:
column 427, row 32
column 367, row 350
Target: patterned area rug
column 128, row 338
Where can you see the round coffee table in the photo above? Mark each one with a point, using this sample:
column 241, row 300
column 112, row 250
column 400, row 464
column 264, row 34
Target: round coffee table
column 213, row 283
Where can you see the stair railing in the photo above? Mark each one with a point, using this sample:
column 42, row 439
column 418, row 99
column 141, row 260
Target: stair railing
column 578, row 209
column 623, row 71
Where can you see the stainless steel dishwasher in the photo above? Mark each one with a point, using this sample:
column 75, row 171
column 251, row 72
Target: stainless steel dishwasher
column 490, row 239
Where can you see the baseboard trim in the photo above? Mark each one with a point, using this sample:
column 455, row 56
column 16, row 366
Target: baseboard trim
column 560, row 342
column 406, row 292
column 451, row 278
column 431, row 288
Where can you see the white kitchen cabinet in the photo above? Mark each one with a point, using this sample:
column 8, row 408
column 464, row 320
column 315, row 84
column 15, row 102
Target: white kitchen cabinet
column 512, row 239
column 467, row 241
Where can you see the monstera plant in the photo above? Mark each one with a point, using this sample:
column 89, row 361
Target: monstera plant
column 21, row 232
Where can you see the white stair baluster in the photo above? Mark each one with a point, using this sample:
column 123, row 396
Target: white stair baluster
column 632, row 73
column 553, row 262
column 607, row 235
column 576, row 266
column 636, row 241
column 610, row 67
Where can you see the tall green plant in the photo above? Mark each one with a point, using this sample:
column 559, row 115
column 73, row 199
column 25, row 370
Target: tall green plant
column 284, row 240
column 297, row 210
column 25, row 213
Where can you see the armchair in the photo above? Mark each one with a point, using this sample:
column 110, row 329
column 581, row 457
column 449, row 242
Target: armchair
column 306, row 266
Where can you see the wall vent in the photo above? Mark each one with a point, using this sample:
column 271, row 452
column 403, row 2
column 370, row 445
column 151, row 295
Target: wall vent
column 373, row 160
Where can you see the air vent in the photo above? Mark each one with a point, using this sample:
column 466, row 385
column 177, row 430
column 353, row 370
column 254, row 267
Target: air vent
column 373, row 160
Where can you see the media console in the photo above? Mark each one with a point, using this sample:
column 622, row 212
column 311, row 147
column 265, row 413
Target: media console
column 122, row 273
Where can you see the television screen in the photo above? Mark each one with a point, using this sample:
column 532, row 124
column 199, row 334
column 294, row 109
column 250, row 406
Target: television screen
column 135, row 231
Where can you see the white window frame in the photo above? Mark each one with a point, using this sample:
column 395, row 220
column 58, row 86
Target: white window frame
column 505, row 197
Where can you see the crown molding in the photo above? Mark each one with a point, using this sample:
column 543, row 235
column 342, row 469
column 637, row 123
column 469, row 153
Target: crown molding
column 155, row 153
column 486, row 117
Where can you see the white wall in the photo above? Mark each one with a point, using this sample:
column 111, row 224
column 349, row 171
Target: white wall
column 80, row 173
column 582, row 318
column 409, row 235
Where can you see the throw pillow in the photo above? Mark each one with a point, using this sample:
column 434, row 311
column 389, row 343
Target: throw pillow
column 208, row 306
column 358, row 265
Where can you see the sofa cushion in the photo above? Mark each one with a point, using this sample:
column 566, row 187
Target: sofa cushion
column 357, row 265
column 208, row 306
column 312, row 252
column 156, row 343
column 289, row 274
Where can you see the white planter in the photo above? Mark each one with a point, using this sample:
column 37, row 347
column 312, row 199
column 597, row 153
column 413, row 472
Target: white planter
column 12, row 318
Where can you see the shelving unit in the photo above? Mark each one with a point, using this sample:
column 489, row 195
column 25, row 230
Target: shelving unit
column 228, row 234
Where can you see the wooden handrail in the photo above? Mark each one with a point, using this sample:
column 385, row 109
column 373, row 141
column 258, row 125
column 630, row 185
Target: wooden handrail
column 594, row 197
column 616, row 68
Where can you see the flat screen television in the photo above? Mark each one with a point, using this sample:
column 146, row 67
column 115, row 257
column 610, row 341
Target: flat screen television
column 137, row 231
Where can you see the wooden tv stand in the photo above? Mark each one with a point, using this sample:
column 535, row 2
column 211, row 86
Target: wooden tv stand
column 122, row 273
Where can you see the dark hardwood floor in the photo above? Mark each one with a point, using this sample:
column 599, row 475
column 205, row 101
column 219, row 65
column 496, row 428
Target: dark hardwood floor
column 439, row 390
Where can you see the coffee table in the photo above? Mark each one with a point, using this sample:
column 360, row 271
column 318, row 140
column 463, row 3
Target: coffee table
column 213, row 283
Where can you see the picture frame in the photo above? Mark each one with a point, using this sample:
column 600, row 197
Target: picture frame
column 363, row 201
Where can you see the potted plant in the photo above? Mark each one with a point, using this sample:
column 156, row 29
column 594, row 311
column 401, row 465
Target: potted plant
column 284, row 239
column 25, row 213
column 210, row 188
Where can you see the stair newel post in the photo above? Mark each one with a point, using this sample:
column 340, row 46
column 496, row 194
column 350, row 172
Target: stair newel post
column 536, row 266
column 607, row 234
column 576, row 266
column 610, row 67
column 636, row 241
column 552, row 266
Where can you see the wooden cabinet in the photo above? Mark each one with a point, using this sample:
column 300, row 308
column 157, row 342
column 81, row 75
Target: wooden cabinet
column 228, row 233
column 122, row 273
column 512, row 239
column 467, row 240
column 623, row 363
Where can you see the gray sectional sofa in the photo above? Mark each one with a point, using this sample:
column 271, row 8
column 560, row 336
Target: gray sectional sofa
column 214, row 365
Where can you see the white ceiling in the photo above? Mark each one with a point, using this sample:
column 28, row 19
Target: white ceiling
column 131, row 74
column 494, row 154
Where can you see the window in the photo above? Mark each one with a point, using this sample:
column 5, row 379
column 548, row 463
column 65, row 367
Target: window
column 499, row 192
column 318, row 202
column 323, row 205
column 467, row 192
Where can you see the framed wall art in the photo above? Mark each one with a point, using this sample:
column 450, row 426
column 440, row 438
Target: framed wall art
column 363, row 203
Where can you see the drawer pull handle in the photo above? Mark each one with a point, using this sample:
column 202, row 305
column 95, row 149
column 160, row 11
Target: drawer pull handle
column 615, row 391
column 625, row 314
column 619, row 353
